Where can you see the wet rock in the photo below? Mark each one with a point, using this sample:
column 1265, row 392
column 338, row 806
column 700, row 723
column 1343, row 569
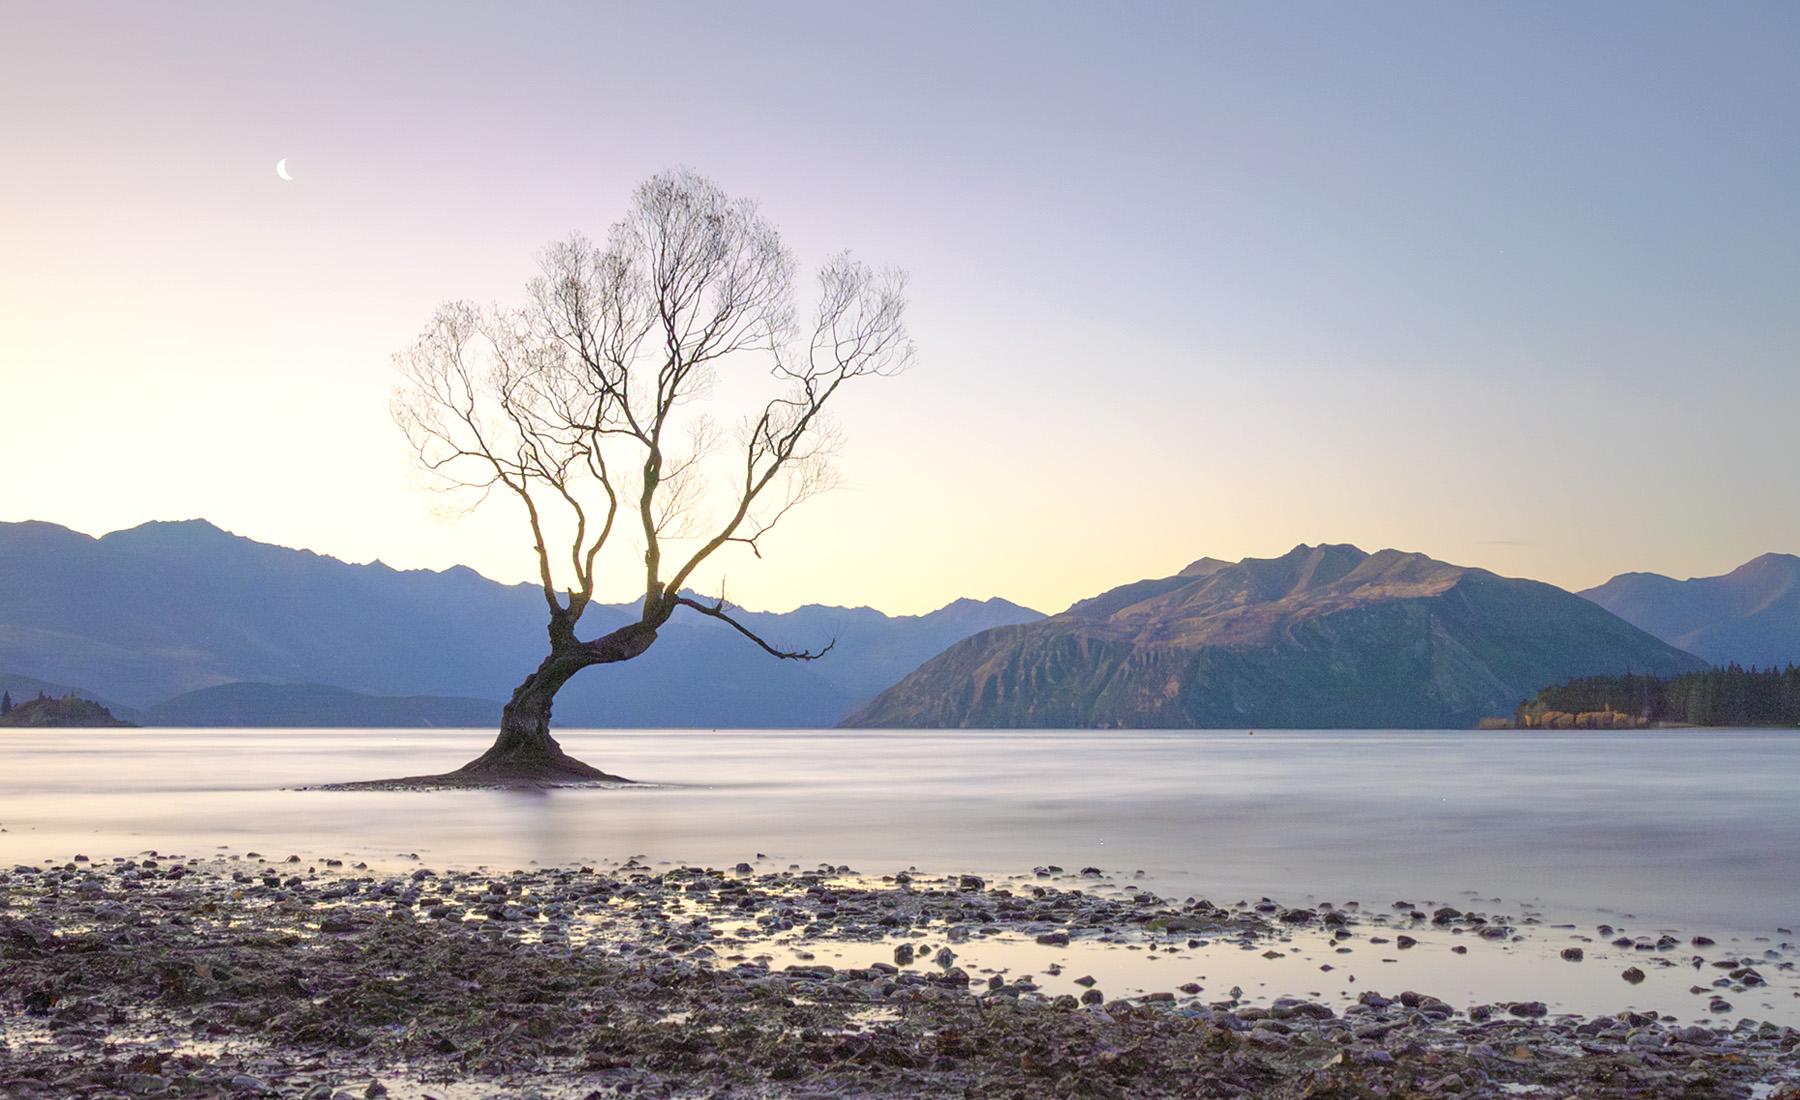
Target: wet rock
column 1287, row 1007
column 643, row 982
column 39, row 1002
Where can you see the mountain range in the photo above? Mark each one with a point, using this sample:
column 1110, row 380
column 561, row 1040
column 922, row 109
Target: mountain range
column 1749, row 616
column 181, row 623
column 139, row 617
column 1322, row 637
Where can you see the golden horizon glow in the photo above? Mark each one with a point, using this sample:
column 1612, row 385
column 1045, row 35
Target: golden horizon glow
column 1185, row 282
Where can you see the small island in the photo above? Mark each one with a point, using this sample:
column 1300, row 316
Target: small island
column 64, row 711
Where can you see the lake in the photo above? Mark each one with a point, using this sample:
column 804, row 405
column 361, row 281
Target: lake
column 1697, row 831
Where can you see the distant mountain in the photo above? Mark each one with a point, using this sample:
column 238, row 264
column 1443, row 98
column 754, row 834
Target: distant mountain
column 1322, row 637
column 1750, row 616
column 317, row 705
column 166, row 608
column 149, row 613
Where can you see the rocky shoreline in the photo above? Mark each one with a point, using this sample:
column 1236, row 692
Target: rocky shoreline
column 252, row 976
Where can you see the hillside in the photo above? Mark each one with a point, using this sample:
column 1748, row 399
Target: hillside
column 148, row 614
column 317, row 705
column 1750, row 616
column 1322, row 637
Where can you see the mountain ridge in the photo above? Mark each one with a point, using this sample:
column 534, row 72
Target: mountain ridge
column 153, row 612
column 1321, row 637
column 1749, row 616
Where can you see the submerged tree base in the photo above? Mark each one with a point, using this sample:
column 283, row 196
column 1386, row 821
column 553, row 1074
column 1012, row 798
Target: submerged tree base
column 524, row 754
column 560, row 770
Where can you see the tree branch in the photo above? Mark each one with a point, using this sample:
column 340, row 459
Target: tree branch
column 717, row 611
column 569, row 402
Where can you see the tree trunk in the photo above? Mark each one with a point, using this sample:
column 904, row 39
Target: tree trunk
column 524, row 749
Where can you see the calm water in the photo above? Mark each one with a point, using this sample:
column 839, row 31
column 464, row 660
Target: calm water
column 1697, row 828
column 1688, row 830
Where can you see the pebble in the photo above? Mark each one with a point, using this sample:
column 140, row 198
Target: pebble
column 559, row 982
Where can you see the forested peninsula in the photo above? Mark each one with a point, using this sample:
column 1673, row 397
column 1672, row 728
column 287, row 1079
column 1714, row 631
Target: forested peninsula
column 64, row 711
column 1728, row 696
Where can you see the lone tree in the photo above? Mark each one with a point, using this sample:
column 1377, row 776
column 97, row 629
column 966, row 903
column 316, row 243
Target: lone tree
column 581, row 405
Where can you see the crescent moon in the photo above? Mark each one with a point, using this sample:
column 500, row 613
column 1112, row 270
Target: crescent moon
column 281, row 169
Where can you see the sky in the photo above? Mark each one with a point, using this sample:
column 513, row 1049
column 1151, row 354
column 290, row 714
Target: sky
column 1513, row 285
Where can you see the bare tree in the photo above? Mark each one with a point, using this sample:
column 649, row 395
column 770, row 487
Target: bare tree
column 586, row 406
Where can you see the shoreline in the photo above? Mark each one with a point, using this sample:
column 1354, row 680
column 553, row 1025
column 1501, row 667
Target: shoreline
column 277, row 977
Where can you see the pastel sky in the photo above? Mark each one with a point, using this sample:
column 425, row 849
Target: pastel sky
column 1516, row 285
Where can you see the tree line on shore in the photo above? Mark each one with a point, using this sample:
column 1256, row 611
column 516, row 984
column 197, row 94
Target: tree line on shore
column 67, row 710
column 1727, row 696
